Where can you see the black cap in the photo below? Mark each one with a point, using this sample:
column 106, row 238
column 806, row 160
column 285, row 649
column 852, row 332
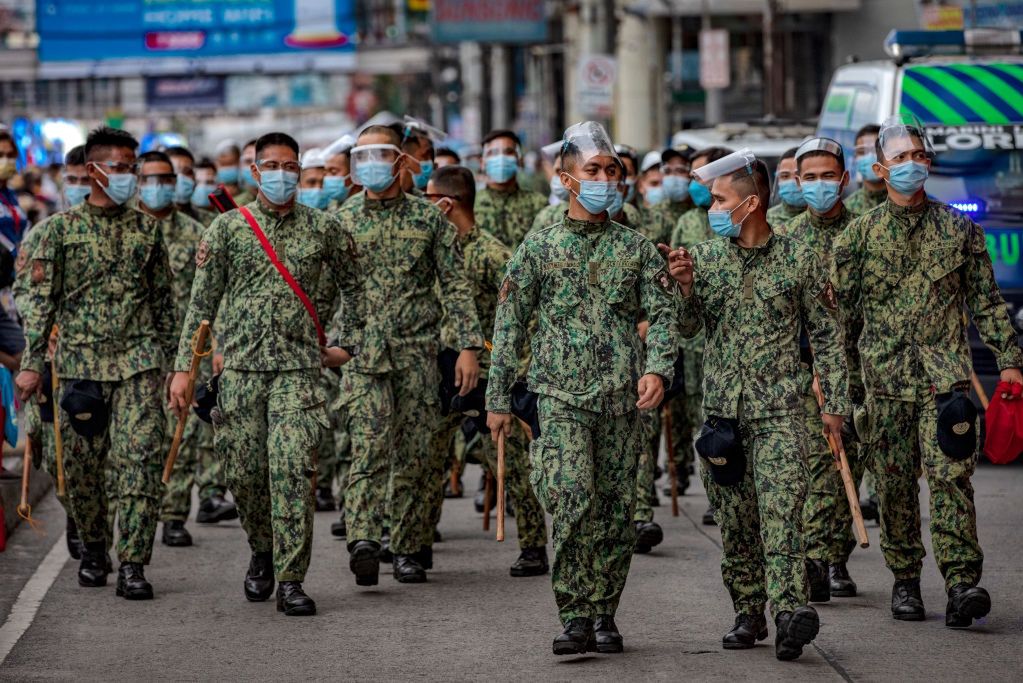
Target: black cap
column 87, row 410
column 46, row 400
column 446, row 360
column 206, row 399
column 957, row 425
column 720, row 446
column 523, row 406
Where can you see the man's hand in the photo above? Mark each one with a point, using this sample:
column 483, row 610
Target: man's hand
column 833, row 426
column 218, row 363
column 333, row 356
column 642, row 328
column 28, row 383
column 651, row 391
column 498, row 423
column 680, row 266
column 179, row 402
column 1010, row 375
column 467, row 372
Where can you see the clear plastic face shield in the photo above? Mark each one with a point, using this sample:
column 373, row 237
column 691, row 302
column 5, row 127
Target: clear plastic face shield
column 742, row 159
column 903, row 138
column 372, row 155
column 588, row 153
column 313, row 158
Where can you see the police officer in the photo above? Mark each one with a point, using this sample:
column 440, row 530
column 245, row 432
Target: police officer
column 503, row 208
column 791, row 202
column 185, row 185
column 872, row 191
column 310, row 181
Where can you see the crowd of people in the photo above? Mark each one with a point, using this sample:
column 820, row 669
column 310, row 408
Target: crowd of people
column 383, row 311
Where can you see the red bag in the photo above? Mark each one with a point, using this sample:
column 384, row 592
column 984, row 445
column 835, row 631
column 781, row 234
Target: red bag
column 1004, row 419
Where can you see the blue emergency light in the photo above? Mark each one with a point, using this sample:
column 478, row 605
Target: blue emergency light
column 904, row 44
column 971, row 207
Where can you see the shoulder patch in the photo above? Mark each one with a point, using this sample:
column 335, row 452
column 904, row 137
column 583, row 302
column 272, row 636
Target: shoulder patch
column 507, row 287
column 38, row 271
column 19, row 265
column 828, row 298
column 202, row 254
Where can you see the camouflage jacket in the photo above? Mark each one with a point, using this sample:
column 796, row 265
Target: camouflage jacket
column 863, row 200
column 203, row 216
column 262, row 324
column 672, row 211
column 102, row 276
column 751, row 303
column 181, row 234
column 405, row 247
column 781, row 213
column 905, row 274
column 650, row 222
column 548, row 215
column 22, row 287
column 691, row 229
column 508, row 215
column 588, row 284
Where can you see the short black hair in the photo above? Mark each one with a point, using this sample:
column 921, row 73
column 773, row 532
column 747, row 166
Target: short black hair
column 502, row 133
column 712, row 154
column 788, row 154
column 457, row 181
column 393, row 135
column 75, row 156
column 413, row 141
column 820, row 153
column 273, row 139
column 153, row 155
column 178, row 151
column 869, row 129
column 105, row 137
column 447, row 152
column 756, row 180
column 206, row 162
column 250, row 143
column 671, row 153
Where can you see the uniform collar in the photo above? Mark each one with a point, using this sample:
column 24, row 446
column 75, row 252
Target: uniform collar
column 751, row 252
column 104, row 212
column 822, row 222
column 383, row 204
column 906, row 213
column 585, row 227
column 269, row 213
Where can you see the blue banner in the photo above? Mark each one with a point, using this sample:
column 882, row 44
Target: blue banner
column 493, row 21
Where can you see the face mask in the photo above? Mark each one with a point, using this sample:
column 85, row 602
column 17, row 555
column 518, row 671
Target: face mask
column 700, row 194
column 790, row 193
column 201, row 195
column 865, row 168
column 334, row 187
column 908, row 177
column 423, row 177
column 227, row 175
column 8, row 167
column 156, row 197
column 822, row 195
column 76, row 194
column 596, row 196
column 313, row 197
column 558, row 191
column 630, row 194
column 617, row 204
column 278, row 186
column 183, row 189
column 654, row 195
column 120, row 186
column 247, row 179
column 375, row 176
column 676, row 188
column 721, row 221
column 502, row 168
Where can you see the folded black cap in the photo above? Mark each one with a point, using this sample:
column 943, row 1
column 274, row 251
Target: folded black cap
column 88, row 412
column 523, row 406
column 957, row 424
column 720, row 446
column 206, row 399
column 45, row 401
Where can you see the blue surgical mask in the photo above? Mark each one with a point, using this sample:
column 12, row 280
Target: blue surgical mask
column 617, row 204
column 76, row 194
column 227, row 175
column 822, row 195
column 313, row 197
column 247, row 180
column 790, row 193
column 630, row 194
column 700, row 194
column 558, row 191
column 721, row 221
column 120, row 186
column 183, row 189
column 334, row 187
column 375, row 176
column 423, row 177
column 596, row 196
column 156, row 197
column 676, row 188
column 502, row 168
column 201, row 194
column 865, row 168
column 278, row 186
column 654, row 195
column 908, row 177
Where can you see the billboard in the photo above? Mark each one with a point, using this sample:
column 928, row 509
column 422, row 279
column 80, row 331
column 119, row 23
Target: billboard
column 510, row 21
column 79, row 38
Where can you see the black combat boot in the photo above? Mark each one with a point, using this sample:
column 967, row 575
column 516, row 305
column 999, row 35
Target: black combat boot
column 708, row 516
column 424, row 556
column 648, row 536
column 293, row 601
column 176, row 535
column 870, row 509
column 606, row 638
column 75, row 547
column 795, row 630
column 95, row 565
column 576, row 639
column 966, row 603
column 259, row 580
column 842, row 585
column 531, row 562
column 131, row 582
column 386, row 556
column 339, row 529
column 216, row 509
column 407, row 570
column 364, row 561
column 748, row 629
column 907, row 604
column 817, row 580
column 325, row 500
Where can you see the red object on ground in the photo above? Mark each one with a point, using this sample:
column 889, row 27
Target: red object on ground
column 1004, row 441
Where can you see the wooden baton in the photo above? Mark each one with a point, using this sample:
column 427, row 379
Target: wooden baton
column 198, row 342
column 500, row 487
column 851, row 494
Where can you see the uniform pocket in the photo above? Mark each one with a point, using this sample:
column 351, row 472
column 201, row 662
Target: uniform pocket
column 538, row 453
column 620, row 288
column 412, row 245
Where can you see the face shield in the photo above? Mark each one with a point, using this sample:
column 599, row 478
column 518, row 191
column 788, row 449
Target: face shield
column 821, row 145
column 339, row 146
column 904, row 133
column 373, row 166
column 313, row 158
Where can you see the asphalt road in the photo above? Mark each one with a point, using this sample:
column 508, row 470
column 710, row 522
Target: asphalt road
column 472, row 621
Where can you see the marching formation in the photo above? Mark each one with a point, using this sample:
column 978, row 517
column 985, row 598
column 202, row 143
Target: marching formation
column 344, row 328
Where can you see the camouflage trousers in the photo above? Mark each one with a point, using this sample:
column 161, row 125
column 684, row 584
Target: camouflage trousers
column 529, row 517
column 760, row 518
column 584, row 474
column 41, row 434
column 335, row 446
column 686, row 416
column 389, row 418
column 266, row 435
column 902, row 437
column 646, row 470
column 133, row 444
column 196, row 464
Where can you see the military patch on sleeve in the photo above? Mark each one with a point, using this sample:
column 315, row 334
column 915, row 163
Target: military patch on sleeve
column 38, row 271
column 665, row 281
column 19, row 265
column 202, row 255
column 828, row 298
column 507, row 287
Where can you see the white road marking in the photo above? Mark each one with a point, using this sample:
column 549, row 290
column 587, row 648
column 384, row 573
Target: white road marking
column 25, row 607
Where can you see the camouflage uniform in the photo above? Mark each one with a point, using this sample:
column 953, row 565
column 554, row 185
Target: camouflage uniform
column 673, row 211
column 827, row 521
column 751, row 303
column 587, row 283
column 863, row 200
column 508, row 215
column 103, row 277
column 390, row 391
column 905, row 274
column 244, row 196
column 203, row 216
column 485, row 260
column 548, row 215
column 196, row 463
column 781, row 213
column 270, row 412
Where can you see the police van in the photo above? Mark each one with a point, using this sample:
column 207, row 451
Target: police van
column 966, row 88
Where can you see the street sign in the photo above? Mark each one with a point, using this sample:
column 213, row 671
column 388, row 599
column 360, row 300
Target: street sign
column 596, row 85
column 715, row 66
